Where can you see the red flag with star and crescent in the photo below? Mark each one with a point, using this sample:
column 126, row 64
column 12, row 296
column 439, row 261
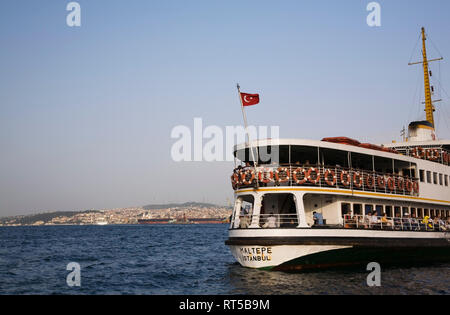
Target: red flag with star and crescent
column 249, row 99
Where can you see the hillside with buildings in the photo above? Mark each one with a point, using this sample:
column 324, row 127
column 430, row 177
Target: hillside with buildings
column 121, row 215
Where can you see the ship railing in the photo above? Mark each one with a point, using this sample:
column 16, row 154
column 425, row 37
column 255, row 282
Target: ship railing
column 393, row 223
column 269, row 221
column 429, row 153
column 324, row 177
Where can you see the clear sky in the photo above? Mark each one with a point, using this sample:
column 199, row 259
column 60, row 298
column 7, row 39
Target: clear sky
column 86, row 112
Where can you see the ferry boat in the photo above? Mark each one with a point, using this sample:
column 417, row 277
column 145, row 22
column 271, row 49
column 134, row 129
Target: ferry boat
column 305, row 204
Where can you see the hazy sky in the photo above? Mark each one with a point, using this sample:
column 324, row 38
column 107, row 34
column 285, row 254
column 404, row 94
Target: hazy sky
column 86, row 113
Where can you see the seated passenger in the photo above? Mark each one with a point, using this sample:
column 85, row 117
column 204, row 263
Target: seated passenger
column 414, row 222
column 428, row 222
column 385, row 221
column 271, row 222
column 440, row 224
column 374, row 218
column 244, row 222
column 447, row 224
column 407, row 221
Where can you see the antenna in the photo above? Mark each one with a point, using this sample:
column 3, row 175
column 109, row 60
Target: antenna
column 403, row 134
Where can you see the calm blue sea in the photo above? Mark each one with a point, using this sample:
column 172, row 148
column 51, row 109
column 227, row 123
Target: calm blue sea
column 184, row 259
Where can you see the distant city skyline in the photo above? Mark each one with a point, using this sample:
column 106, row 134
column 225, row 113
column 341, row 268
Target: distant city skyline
column 86, row 113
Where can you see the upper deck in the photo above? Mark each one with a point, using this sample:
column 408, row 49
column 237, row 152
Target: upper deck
column 297, row 162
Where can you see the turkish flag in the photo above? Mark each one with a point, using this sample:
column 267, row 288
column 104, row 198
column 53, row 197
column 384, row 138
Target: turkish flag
column 249, row 99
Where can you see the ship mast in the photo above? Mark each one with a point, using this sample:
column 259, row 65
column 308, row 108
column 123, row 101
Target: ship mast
column 429, row 107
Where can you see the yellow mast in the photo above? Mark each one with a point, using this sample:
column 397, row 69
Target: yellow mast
column 429, row 108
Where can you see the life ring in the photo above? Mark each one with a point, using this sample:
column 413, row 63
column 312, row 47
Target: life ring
column 237, row 178
column 244, row 179
column 234, row 182
column 437, row 154
column 299, row 171
column 381, row 181
column 357, row 180
column 286, row 177
column 432, row 154
column 400, row 183
column 262, row 176
column 419, row 153
column 409, row 185
column 370, row 182
column 390, row 183
column 310, row 178
column 346, row 181
column 327, row 177
column 416, row 187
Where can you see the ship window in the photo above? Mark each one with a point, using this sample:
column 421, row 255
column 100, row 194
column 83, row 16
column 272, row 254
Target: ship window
column 246, row 156
column 401, row 166
column 331, row 157
column 446, row 180
column 388, row 211
column 379, row 209
column 282, row 206
column 304, row 155
column 368, row 209
column 428, row 177
column 420, row 213
column 405, row 211
column 397, row 212
column 362, row 161
column 272, row 155
column 345, row 209
column 243, row 211
column 357, row 209
column 441, row 182
column 435, row 181
column 422, row 176
column 383, row 165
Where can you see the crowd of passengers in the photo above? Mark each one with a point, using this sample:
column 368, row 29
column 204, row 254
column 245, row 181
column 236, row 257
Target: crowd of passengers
column 407, row 222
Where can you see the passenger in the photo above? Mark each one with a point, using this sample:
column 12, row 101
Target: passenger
column 440, row 224
column 385, row 221
column 428, row 222
column 407, row 221
column 367, row 220
column 447, row 224
column 374, row 218
column 318, row 218
column 397, row 222
column 361, row 221
column 244, row 222
column 415, row 222
column 271, row 222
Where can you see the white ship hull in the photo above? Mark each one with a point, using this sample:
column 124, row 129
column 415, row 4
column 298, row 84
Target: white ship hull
column 303, row 249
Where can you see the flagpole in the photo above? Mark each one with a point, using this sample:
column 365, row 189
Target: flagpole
column 247, row 133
